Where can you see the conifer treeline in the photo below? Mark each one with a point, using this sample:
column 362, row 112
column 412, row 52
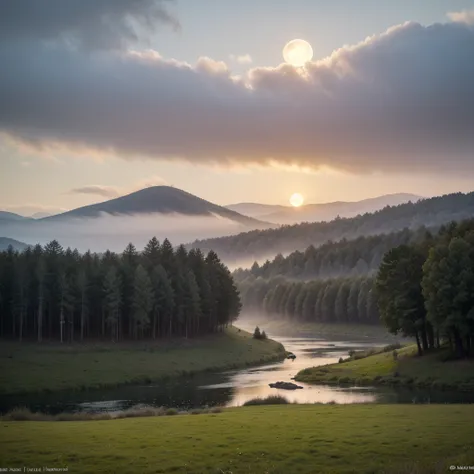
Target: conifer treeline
column 52, row 293
column 361, row 256
column 338, row 300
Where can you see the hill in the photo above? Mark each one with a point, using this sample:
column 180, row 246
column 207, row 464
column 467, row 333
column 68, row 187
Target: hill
column 160, row 200
column 261, row 244
column 6, row 216
column 5, row 242
column 319, row 212
column 331, row 210
column 253, row 209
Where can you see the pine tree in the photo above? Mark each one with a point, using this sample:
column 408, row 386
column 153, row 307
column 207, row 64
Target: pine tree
column 142, row 301
column 112, row 302
column 163, row 302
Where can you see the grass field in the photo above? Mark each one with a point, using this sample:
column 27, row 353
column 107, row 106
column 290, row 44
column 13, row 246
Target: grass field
column 427, row 371
column 284, row 439
column 26, row 368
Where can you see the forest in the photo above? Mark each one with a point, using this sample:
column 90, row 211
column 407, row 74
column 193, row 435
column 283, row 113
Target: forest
column 360, row 256
column 338, row 300
column 261, row 244
column 48, row 293
column 426, row 290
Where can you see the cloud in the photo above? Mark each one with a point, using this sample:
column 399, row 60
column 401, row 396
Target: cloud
column 401, row 101
column 91, row 24
column 114, row 191
column 465, row 16
column 105, row 191
column 241, row 59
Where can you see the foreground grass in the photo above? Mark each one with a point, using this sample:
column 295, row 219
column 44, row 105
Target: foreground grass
column 303, row 439
column 26, row 368
column 427, row 371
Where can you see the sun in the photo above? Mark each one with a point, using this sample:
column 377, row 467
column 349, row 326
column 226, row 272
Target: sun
column 296, row 200
column 297, row 52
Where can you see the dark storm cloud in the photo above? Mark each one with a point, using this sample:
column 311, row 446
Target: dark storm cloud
column 88, row 23
column 400, row 101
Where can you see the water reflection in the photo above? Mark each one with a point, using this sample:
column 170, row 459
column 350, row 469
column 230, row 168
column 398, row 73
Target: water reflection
column 236, row 387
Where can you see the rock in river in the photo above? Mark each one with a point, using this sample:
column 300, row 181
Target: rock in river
column 284, row 385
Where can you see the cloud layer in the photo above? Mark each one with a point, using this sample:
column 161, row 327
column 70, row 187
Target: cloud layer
column 400, row 101
column 90, row 24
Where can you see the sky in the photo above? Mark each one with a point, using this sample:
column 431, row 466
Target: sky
column 105, row 97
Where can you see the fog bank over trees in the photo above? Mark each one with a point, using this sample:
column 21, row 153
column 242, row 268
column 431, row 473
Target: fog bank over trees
column 109, row 232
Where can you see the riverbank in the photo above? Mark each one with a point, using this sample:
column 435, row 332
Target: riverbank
column 30, row 367
column 431, row 370
column 274, row 439
column 299, row 329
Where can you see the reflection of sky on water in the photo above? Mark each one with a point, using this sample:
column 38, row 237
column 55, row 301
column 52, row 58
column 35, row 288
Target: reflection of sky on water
column 252, row 383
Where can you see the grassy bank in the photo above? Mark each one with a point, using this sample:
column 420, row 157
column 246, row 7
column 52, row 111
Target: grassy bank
column 430, row 370
column 304, row 439
column 26, row 368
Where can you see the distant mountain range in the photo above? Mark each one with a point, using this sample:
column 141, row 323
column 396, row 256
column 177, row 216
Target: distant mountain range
column 160, row 211
column 320, row 212
column 243, row 249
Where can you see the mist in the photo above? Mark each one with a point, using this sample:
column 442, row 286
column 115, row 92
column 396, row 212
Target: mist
column 112, row 232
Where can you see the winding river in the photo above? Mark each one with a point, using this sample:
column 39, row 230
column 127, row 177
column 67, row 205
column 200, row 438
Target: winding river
column 236, row 387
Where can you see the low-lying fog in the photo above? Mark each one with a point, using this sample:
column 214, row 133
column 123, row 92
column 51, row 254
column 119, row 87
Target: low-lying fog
column 109, row 232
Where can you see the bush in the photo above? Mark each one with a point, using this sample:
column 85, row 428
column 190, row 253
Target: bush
column 341, row 360
column 395, row 355
column 392, row 347
column 270, row 400
column 263, row 336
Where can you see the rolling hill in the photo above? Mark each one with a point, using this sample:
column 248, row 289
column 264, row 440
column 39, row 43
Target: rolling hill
column 5, row 242
column 158, row 200
column 321, row 212
column 244, row 248
column 6, row 216
column 253, row 209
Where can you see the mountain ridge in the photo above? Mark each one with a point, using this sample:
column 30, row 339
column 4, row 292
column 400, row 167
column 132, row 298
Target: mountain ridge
column 258, row 245
column 317, row 212
column 159, row 200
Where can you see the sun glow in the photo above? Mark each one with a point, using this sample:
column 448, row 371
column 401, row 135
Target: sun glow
column 296, row 200
column 297, row 52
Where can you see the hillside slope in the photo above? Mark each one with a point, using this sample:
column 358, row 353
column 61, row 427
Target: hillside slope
column 262, row 244
column 5, row 242
column 331, row 210
column 161, row 200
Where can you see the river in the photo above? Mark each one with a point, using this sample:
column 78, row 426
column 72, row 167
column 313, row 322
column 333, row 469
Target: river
column 236, row 387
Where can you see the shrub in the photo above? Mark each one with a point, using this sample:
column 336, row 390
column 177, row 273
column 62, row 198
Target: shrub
column 341, row 360
column 171, row 411
column 395, row 355
column 392, row 347
column 270, row 400
column 263, row 335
